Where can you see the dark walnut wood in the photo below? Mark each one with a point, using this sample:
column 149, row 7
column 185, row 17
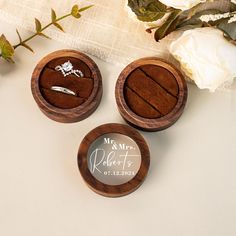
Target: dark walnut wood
column 113, row 190
column 63, row 107
column 151, row 94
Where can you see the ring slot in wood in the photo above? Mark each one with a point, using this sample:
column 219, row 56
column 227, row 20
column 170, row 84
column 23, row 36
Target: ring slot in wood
column 151, row 94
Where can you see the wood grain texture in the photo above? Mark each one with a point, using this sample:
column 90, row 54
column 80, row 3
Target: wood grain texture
column 151, row 94
column 55, row 107
column 113, row 190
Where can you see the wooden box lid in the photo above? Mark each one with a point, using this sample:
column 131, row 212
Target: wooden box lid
column 113, row 159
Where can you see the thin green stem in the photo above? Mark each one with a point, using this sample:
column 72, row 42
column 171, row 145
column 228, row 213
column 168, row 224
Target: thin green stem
column 37, row 33
column 63, row 17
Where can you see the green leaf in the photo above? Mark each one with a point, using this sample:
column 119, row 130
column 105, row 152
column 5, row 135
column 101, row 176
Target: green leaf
column 228, row 28
column 44, row 35
column 192, row 11
column 58, row 26
column 195, row 21
column 169, row 26
column 85, row 8
column 38, row 25
column 20, row 39
column 27, row 47
column 148, row 10
column 75, row 11
column 6, row 49
column 232, row 7
column 53, row 15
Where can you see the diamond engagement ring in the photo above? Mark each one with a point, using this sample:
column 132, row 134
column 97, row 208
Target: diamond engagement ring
column 67, row 69
column 63, row 90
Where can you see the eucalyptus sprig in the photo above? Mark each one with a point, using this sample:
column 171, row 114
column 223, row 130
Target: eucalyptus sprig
column 7, row 50
column 153, row 10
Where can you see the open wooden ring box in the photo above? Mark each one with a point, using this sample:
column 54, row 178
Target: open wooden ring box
column 151, row 94
column 67, row 86
column 113, row 160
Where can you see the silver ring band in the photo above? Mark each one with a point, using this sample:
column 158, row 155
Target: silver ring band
column 63, row 90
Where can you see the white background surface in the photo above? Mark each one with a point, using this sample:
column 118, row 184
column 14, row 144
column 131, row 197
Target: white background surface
column 190, row 189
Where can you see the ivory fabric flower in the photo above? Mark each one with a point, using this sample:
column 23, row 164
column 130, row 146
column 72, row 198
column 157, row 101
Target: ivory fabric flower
column 182, row 4
column 206, row 57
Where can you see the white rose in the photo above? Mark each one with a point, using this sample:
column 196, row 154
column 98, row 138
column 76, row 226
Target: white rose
column 206, row 57
column 182, row 4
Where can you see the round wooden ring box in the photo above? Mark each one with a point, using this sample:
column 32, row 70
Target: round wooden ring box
column 113, row 160
column 67, row 86
column 151, row 94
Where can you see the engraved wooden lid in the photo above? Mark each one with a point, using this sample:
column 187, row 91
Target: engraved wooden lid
column 151, row 94
column 111, row 153
column 77, row 73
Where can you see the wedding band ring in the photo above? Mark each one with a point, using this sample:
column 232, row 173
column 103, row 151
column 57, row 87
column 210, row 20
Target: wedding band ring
column 63, row 90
